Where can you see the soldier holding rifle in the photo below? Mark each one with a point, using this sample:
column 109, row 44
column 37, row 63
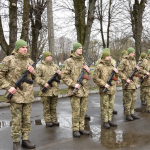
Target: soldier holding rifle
column 126, row 67
column 73, row 68
column 20, row 104
column 144, row 73
column 49, row 97
column 101, row 74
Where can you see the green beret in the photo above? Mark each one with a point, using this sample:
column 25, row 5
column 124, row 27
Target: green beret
column 76, row 46
column 123, row 52
column 130, row 50
column 107, row 49
column 148, row 51
column 19, row 44
column 45, row 54
column 143, row 55
column 105, row 54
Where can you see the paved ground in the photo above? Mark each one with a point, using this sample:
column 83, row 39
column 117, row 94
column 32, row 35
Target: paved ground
column 133, row 135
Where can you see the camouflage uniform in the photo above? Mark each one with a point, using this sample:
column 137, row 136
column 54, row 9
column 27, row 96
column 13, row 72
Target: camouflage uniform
column 144, row 69
column 113, row 62
column 49, row 98
column 73, row 68
column 101, row 75
column 20, row 104
column 125, row 68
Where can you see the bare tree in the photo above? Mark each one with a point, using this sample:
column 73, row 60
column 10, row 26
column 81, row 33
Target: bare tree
column 8, row 48
column 136, row 13
column 83, row 26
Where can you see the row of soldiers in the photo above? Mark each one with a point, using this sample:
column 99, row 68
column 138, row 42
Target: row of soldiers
column 20, row 105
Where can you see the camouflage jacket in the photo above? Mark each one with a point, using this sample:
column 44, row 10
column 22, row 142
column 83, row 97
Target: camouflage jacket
column 144, row 69
column 12, row 68
column 125, row 69
column 73, row 68
column 101, row 75
column 43, row 73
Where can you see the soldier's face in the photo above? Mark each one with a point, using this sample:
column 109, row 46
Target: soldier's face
column 78, row 51
column 107, row 58
column 48, row 58
column 132, row 54
column 23, row 50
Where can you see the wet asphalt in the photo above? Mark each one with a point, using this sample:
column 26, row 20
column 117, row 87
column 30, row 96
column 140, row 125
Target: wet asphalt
column 134, row 135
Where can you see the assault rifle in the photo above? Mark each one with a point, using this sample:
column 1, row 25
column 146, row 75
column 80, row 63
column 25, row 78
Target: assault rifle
column 52, row 79
column 132, row 74
column 23, row 79
column 81, row 77
column 110, row 77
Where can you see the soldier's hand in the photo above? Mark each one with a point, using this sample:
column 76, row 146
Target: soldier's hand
column 148, row 73
column 86, row 68
column 137, row 67
column 12, row 90
column 77, row 86
column 128, row 81
column 31, row 69
column 59, row 72
column 117, row 82
column 46, row 85
column 115, row 69
column 107, row 86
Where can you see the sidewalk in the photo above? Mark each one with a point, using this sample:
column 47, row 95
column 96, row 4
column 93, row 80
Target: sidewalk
column 37, row 99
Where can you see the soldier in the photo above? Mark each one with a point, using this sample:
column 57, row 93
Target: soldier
column 144, row 70
column 113, row 62
column 125, row 68
column 142, row 94
column 49, row 98
column 20, row 105
column 73, row 68
column 102, row 73
column 123, row 53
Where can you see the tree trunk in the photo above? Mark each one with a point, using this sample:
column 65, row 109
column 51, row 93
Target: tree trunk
column 50, row 27
column 137, row 27
column 84, row 30
column 25, row 21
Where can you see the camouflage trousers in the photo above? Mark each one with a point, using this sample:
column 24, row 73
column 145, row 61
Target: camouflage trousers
column 142, row 94
column 107, row 106
column 130, row 97
column 79, row 108
column 146, row 93
column 20, row 120
column 49, row 108
column 123, row 100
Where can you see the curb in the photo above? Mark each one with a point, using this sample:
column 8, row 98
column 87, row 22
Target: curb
column 37, row 99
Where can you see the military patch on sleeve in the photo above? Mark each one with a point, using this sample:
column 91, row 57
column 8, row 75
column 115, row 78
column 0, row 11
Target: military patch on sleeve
column 94, row 73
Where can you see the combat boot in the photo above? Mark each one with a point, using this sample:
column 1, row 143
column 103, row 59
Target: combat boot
column 87, row 116
column 143, row 103
column 56, row 123
column 84, row 132
column 106, row 125
column 129, row 118
column 76, row 134
column 112, row 124
column 27, row 144
column 115, row 112
column 16, row 146
column 49, row 124
column 135, row 117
